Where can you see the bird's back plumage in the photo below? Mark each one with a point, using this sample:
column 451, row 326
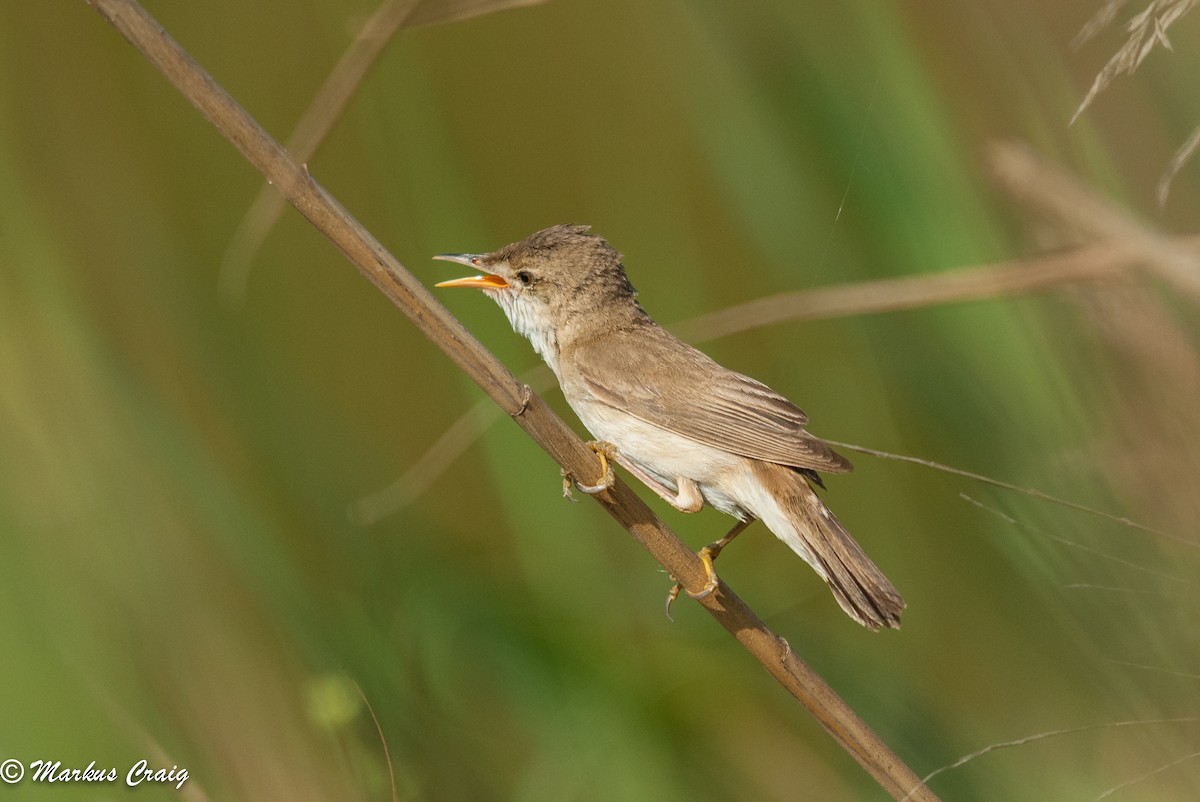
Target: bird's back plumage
column 654, row 376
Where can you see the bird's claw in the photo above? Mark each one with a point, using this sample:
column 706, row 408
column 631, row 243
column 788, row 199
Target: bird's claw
column 568, row 479
column 706, row 555
column 672, row 595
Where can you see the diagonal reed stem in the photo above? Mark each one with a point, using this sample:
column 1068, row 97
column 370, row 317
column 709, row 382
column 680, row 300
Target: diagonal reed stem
column 525, row 407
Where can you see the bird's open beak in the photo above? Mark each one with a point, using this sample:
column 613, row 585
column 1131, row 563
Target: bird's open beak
column 487, row 281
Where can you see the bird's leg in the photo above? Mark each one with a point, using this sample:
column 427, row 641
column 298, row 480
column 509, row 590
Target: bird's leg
column 707, row 555
column 687, row 498
column 710, row 552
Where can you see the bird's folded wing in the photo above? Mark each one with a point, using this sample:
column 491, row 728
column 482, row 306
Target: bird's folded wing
column 663, row 381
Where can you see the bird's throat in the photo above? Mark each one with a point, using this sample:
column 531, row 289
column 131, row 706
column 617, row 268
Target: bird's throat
column 531, row 320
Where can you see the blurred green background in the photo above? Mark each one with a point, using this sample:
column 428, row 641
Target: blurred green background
column 180, row 579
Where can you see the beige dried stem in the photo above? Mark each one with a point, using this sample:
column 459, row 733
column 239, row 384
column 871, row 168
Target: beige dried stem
column 1056, row 192
column 1182, row 156
column 326, row 108
column 526, row 408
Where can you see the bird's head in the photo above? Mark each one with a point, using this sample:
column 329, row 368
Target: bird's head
column 551, row 281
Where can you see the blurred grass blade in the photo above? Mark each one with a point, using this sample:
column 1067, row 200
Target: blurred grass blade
column 436, row 12
column 326, row 109
column 1181, row 158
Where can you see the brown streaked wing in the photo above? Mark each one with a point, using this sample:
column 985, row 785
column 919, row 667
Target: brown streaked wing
column 662, row 380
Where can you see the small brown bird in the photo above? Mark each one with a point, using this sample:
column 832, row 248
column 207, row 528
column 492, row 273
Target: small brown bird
column 690, row 429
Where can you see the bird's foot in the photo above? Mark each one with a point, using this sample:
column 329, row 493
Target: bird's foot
column 605, row 451
column 711, row 583
column 707, row 556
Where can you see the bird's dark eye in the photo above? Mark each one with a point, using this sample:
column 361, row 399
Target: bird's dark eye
column 524, row 277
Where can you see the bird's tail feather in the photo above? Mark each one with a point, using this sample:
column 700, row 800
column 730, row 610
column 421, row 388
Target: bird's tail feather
column 798, row 517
